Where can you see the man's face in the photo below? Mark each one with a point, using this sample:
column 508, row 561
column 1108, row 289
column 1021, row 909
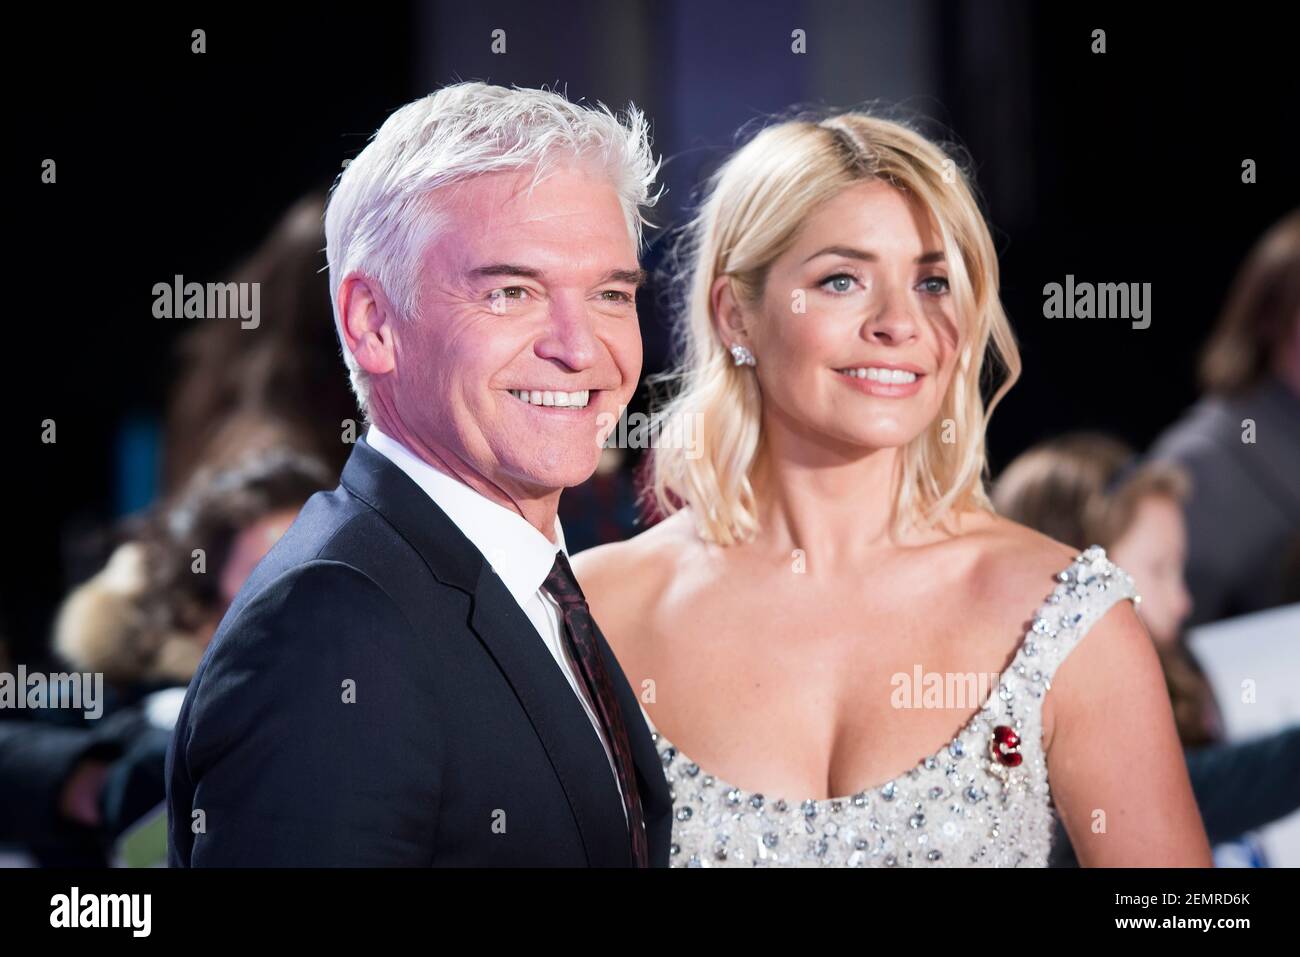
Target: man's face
column 522, row 292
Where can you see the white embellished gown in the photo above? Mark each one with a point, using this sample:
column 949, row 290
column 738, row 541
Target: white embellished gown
column 981, row 800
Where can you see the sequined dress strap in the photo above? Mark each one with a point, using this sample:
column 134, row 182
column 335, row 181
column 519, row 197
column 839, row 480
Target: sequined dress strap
column 1084, row 592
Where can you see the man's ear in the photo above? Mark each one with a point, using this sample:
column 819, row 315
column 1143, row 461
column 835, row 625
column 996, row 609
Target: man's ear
column 728, row 316
column 368, row 324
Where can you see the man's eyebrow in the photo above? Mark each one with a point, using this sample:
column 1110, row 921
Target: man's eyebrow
column 504, row 269
column 849, row 252
column 633, row 277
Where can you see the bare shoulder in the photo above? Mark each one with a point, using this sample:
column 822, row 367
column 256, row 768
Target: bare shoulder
column 617, row 566
column 1115, row 656
column 623, row 579
column 1112, row 665
column 1026, row 563
column 1017, row 566
column 1015, row 563
column 1110, row 688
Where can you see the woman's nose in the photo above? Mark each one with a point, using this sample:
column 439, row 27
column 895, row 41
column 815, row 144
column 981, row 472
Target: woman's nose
column 892, row 321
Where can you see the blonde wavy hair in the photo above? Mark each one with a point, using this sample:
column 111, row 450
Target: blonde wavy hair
column 753, row 208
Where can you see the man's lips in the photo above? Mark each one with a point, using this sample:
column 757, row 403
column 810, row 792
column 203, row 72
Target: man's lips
column 567, row 400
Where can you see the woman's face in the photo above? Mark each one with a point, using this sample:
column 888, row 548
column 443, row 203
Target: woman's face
column 857, row 337
column 1153, row 550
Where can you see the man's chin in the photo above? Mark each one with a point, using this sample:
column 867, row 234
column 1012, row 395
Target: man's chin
column 555, row 477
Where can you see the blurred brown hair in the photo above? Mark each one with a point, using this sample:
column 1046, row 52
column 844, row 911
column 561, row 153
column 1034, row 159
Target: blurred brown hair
column 281, row 384
column 1083, row 488
column 1262, row 309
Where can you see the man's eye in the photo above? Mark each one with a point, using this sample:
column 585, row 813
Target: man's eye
column 618, row 295
column 935, row 285
column 839, row 283
column 508, row 292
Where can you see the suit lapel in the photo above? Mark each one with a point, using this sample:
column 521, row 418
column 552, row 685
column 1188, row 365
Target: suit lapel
column 557, row 717
column 561, row 723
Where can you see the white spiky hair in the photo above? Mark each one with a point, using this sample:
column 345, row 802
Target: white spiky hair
column 380, row 216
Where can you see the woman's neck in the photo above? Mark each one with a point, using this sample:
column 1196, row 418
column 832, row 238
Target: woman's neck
column 831, row 504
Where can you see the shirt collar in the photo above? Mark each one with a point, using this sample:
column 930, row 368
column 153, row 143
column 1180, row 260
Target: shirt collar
column 518, row 552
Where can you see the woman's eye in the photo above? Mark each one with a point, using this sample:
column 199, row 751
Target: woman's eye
column 935, row 285
column 840, row 283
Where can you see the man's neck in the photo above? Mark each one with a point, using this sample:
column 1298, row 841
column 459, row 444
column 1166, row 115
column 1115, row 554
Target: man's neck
column 538, row 507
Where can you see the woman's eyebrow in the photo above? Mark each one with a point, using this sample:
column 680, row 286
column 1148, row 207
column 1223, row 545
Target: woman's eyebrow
column 850, row 252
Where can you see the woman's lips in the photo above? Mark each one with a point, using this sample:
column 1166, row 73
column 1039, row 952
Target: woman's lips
column 889, row 389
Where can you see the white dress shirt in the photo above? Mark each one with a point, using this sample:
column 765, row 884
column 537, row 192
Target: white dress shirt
column 517, row 552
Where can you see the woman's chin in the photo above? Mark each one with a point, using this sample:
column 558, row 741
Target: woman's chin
column 885, row 437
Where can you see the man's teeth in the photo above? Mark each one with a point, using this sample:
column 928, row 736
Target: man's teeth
column 888, row 376
column 569, row 400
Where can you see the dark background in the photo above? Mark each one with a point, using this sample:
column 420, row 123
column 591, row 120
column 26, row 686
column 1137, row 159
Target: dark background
column 1122, row 167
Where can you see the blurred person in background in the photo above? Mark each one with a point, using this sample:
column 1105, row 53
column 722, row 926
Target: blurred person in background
column 1241, row 441
column 1085, row 489
column 238, row 391
column 66, row 793
column 256, row 421
column 274, row 386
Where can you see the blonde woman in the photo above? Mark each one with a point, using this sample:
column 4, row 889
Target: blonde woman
column 812, row 628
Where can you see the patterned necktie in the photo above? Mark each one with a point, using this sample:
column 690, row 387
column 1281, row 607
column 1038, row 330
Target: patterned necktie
column 580, row 631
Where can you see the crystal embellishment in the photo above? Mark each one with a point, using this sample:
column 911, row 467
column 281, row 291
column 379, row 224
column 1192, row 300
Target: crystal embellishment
column 982, row 799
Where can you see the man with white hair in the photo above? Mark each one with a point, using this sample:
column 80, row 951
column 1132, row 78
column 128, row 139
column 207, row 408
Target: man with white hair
column 412, row 676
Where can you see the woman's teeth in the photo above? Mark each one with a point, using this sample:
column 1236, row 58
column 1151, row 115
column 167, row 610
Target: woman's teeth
column 569, row 400
column 888, row 376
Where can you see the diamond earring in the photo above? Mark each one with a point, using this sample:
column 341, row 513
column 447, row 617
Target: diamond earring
column 741, row 356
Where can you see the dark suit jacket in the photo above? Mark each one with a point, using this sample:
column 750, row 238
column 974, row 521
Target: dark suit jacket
column 375, row 696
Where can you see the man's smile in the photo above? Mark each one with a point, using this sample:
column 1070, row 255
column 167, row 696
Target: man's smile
column 554, row 397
